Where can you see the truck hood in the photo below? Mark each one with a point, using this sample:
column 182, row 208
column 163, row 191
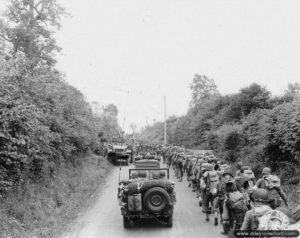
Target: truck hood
column 123, row 147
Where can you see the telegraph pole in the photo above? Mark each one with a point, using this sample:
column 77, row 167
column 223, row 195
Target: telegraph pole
column 165, row 117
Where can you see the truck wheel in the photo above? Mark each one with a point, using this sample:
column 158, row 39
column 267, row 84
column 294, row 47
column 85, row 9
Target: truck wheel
column 126, row 222
column 170, row 221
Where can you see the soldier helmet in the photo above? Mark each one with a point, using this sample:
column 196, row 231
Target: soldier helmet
column 220, row 173
column 266, row 171
column 228, row 171
column 134, row 174
column 239, row 165
column 260, row 195
column 246, row 167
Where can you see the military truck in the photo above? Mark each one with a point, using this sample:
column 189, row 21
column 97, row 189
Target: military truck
column 147, row 193
column 118, row 153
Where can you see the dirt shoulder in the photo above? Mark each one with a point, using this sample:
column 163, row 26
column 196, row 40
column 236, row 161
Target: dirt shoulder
column 92, row 181
column 47, row 209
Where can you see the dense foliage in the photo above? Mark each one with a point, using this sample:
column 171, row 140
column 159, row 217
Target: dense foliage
column 47, row 128
column 44, row 121
column 249, row 126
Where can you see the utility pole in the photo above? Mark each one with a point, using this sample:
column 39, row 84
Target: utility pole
column 165, row 117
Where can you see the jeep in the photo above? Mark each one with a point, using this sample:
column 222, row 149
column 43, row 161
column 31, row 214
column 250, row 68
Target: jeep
column 147, row 193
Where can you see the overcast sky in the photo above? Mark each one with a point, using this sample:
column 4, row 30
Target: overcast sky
column 132, row 52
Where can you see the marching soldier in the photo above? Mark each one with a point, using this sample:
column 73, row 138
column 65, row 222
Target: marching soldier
column 261, row 207
column 235, row 206
column 272, row 183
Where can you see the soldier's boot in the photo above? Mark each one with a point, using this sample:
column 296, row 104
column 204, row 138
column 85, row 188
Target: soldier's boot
column 200, row 201
column 209, row 210
column 226, row 227
column 216, row 218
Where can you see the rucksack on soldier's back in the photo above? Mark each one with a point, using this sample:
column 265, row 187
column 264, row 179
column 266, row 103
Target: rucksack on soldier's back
column 237, row 202
column 274, row 220
column 213, row 180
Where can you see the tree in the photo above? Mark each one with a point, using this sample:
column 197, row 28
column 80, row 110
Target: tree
column 133, row 127
column 293, row 88
column 202, row 88
column 29, row 28
column 110, row 111
column 109, row 121
column 253, row 97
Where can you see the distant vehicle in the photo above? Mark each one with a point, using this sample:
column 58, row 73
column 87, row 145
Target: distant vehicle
column 147, row 156
column 148, row 193
column 118, row 153
column 138, row 157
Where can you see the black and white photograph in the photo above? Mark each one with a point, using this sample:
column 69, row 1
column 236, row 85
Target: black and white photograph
column 149, row 118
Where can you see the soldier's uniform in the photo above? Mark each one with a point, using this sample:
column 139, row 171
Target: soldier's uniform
column 234, row 208
column 275, row 194
column 219, row 201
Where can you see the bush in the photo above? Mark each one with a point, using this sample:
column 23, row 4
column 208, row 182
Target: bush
column 230, row 140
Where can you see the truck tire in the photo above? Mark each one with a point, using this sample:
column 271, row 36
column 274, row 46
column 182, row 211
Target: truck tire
column 126, row 222
column 170, row 221
column 156, row 199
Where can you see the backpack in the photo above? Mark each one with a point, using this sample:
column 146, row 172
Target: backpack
column 256, row 219
column 202, row 184
column 272, row 181
column 207, row 166
column 237, row 201
column 248, row 174
column 240, row 181
column 274, row 220
column 238, row 207
column 212, row 181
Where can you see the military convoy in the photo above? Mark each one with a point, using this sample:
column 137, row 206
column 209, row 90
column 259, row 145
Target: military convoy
column 147, row 193
column 232, row 197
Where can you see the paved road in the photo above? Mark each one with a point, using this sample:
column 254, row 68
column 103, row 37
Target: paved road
column 104, row 218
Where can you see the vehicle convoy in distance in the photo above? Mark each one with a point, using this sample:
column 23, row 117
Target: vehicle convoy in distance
column 119, row 152
column 147, row 193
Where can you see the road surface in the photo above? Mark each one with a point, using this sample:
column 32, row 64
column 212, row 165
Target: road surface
column 104, row 218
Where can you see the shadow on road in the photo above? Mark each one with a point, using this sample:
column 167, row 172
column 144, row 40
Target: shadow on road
column 147, row 224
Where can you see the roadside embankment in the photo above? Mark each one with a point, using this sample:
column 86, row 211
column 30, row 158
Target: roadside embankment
column 44, row 210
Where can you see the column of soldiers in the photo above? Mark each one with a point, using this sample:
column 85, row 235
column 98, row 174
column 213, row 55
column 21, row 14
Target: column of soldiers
column 237, row 200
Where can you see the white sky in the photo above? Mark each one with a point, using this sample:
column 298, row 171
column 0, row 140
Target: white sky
column 152, row 48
